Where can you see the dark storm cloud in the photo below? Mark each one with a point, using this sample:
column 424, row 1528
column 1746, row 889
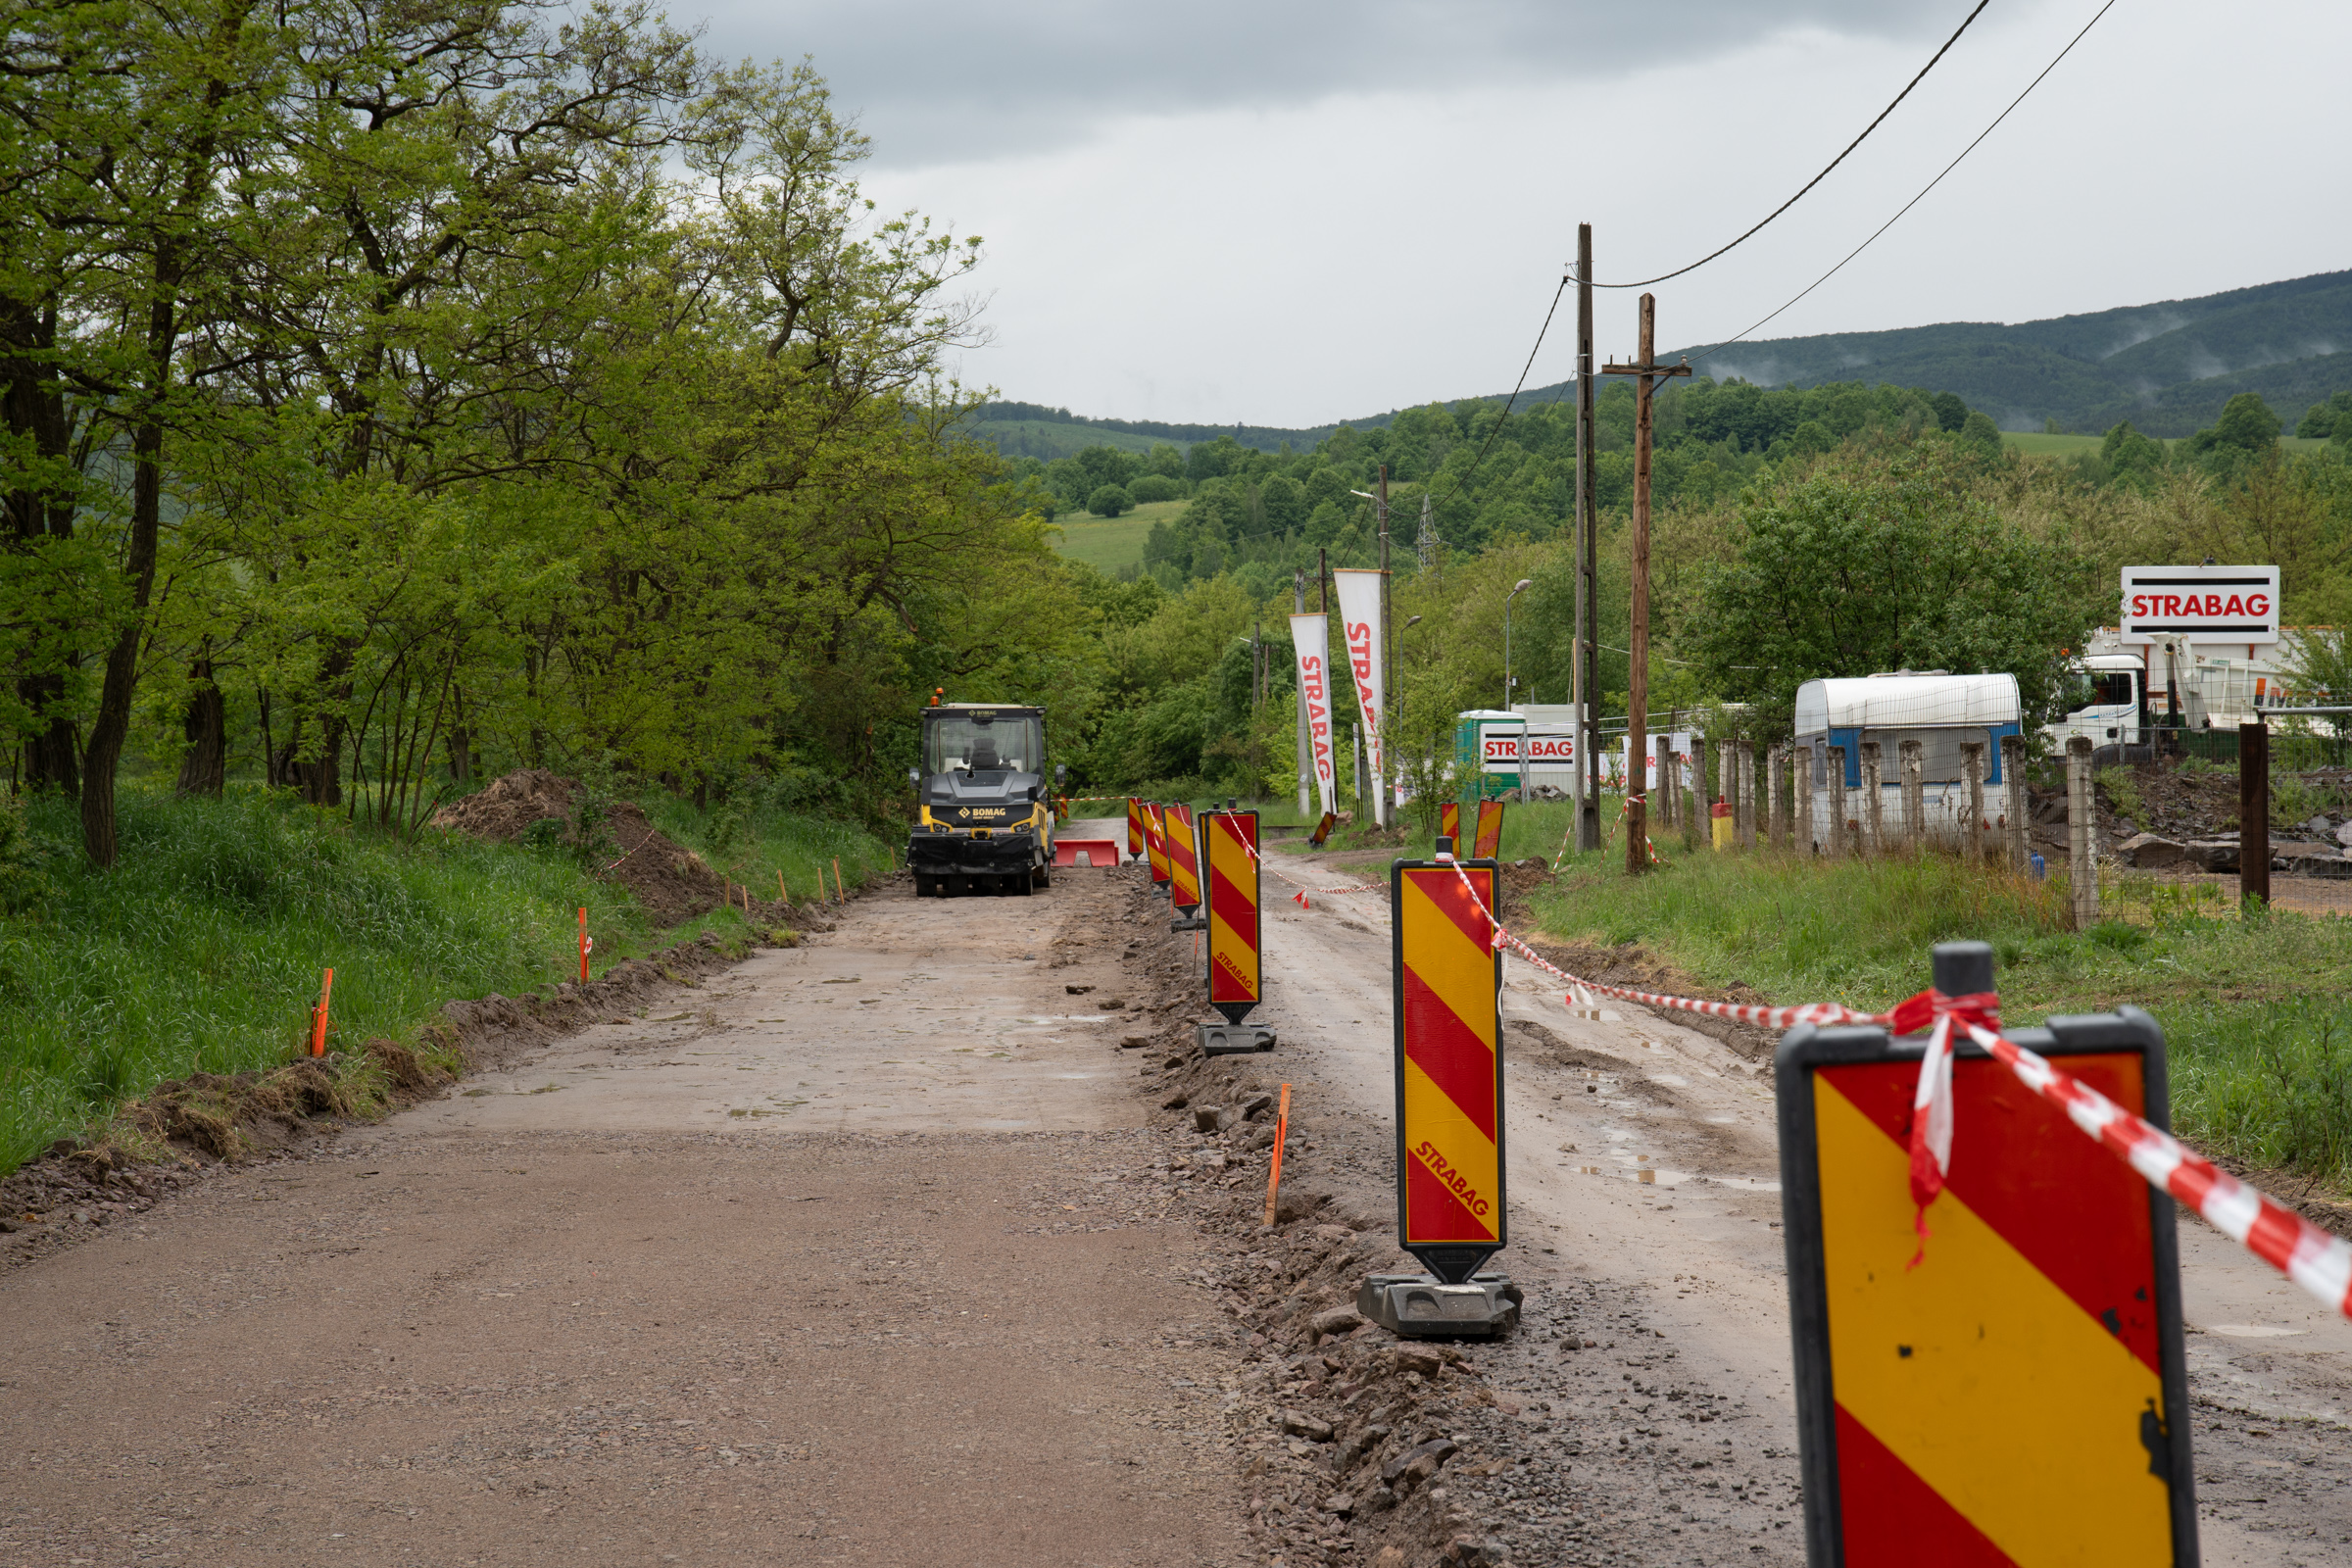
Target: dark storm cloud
column 938, row 79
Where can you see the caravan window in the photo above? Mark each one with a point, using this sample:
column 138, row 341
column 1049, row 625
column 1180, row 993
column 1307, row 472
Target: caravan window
column 1940, row 748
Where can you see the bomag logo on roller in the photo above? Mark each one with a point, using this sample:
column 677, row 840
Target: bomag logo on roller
column 1452, row 1178
column 984, row 811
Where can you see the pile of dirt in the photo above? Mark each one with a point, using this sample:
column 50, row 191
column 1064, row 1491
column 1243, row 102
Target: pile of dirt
column 670, row 880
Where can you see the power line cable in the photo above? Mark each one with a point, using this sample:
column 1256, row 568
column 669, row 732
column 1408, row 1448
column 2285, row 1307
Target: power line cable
column 1825, row 174
column 1540, row 333
column 1930, row 184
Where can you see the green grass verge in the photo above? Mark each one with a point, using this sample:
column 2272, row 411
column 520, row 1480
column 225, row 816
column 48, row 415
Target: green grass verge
column 202, row 950
column 2254, row 1009
column 752, row 846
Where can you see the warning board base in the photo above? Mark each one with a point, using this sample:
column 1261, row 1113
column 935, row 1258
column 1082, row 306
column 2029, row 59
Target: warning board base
column 1233, row 1038
column 1423, row 1307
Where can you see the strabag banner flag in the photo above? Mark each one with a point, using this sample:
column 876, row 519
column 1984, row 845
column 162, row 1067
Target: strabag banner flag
column 1311, row 637
column 1359, row 618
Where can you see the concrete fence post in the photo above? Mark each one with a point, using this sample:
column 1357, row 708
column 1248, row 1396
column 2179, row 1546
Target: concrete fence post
column 1915, row 796
column 1800, row 781
column 2082, row 811
column 1776, row 804
column 1971, row 768
column 2013, row 785
column 1747, row 795
column 1694, row 821
column 1874, row 795
column 1840, row 838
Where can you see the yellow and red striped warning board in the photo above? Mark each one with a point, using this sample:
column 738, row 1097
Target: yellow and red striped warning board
column 1155, row 840
column 1450, row 823
column 2009, row 1389
column 1448, row 979
column 1135, row 828
column 1233, row 973
column 1490, row 831
column 1184, row 870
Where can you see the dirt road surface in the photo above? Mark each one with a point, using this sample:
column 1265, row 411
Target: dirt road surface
column 813, row 1266
column 1696, row 1255
column 881, row 1250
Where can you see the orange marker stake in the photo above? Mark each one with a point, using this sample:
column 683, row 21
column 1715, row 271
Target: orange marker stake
column 782, row 896
column 1282, row 1132
column 326, row 988
column 838, row 885
column 585, row 944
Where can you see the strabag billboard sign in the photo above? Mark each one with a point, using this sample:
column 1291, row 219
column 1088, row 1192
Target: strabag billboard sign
column 2202, row 604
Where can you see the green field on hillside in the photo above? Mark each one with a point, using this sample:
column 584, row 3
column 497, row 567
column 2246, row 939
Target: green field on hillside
column 1113, row 544
column 2035, row 445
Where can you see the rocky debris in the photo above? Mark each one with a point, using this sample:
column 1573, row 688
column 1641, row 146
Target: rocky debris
column 2148, row 852
column 2344, row 835
column 2212, row 855
column 1077, row 991
column 1299, row 1424
column 2304, row 860
column 670, row 881
column 1134, row 1042
column 1208, row 1118
column 1336, row 1321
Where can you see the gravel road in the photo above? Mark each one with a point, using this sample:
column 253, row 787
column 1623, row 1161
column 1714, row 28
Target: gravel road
column 876, row 1250
column 811, row 1266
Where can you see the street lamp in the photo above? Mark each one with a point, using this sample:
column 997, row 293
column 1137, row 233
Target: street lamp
column 1508, row 683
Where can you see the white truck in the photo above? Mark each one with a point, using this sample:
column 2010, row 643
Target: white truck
column 2133, row 692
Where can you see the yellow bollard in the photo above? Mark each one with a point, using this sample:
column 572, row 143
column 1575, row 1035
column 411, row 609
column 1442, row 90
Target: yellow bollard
column 1722, row 811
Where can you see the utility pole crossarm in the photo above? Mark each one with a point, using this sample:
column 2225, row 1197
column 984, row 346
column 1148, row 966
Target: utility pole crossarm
column 1682, row 368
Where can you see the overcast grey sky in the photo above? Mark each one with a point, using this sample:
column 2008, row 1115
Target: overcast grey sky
column 1289, row 213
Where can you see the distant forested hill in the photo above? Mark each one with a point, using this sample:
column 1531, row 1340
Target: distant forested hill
column 2167, row 368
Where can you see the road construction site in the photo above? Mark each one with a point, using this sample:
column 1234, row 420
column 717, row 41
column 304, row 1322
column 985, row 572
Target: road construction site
column 934, row 1239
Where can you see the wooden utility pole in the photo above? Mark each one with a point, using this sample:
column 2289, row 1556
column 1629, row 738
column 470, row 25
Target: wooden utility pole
column 1637, row 858
column 1587, row 737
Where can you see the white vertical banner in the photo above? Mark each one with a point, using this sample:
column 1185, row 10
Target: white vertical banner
column 1359, row 618
column 1311, row 637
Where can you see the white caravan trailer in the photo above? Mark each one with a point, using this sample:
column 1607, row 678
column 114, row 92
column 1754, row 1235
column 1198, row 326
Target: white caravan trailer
column 1940, row 711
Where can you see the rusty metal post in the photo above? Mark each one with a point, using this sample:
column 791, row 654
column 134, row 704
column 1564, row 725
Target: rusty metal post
column 2013, row 781
column 2082, row 811
column 2254, row 813
column 1874, row 796
column 1915, row 796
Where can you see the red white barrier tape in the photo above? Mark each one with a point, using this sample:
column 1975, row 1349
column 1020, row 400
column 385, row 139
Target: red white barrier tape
column 1304, row 888
column 1817, row 1012
column 2313, row 1259
column 2319, row 1262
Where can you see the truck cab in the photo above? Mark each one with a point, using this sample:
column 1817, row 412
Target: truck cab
column 984, row 822
column 2114, row 716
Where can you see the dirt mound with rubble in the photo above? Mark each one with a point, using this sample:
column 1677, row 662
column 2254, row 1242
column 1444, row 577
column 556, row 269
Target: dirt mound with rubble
column 670, row 880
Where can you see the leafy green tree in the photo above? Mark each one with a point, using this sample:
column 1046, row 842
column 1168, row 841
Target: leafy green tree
column 2332, row 417
column 1886, row 566
column 2130, row 455
column 2247, row 430
column 1979, row 430
column 1110, row 501
column 1156, row 487
column 1950, row 412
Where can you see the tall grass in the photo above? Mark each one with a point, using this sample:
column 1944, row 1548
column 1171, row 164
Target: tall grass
column 2260, row 1037
column 753, row 844
column 202, row 948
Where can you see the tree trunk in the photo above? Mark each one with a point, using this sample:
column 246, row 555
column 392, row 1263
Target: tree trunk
column 204, row 767
column 53, row 754
column 112, row 724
